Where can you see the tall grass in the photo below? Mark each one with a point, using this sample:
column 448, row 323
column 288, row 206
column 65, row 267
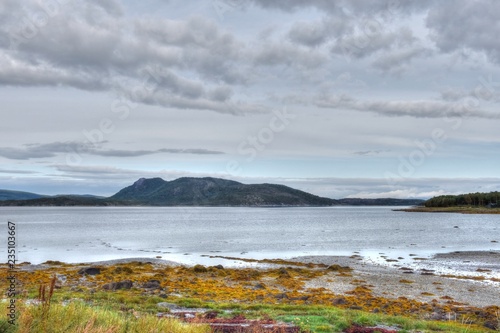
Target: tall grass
column 78, row 317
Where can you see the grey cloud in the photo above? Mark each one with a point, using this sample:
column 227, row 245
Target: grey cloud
column 286, row 54
column 30, row 151
column 221, row 94
column 411, row 108
column 452, row 95
column 195, row 31
column 18, row 73
column 365, row 42
column 95, row 49
column 111, row 7
column 370, row 152
column 33, row 151
column 395, row 61
column 356, row 6
column 484, row 91
column 165, row 99
column 180, row 86
column 21, row 172
column 135, row 153
column 470, row 24
column 316, row 33
column 203, row 46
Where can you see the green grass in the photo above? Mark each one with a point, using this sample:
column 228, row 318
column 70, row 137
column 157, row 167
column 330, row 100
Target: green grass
column 103, row 316
column 79, row 317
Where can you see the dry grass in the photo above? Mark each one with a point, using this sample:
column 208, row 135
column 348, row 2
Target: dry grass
column 78, row 317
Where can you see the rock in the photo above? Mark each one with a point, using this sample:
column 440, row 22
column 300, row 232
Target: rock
column 219, row 267
column 170, row 306
column 259, row 286
column 281, row 296
column 437, row 316
column 89, row 271
column 491, row 325
column 152, row 284
column 125, row 284
column 339, row 301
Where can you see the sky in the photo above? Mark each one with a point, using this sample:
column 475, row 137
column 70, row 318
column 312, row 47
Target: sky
column 347, row 98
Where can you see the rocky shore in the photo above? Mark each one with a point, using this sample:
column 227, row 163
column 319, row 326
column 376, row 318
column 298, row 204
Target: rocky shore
column 458, row 286
column 469, row 278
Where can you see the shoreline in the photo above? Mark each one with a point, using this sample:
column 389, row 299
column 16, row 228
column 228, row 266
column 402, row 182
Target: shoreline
column 471, row 278
column 458, row 209
column 425, row 281
column 302, row 285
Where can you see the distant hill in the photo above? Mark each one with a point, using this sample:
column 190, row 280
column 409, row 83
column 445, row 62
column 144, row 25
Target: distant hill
column 18, row 195
column 381, row 202
column 491, row 199
column 206, row 191
column 215, row 192
column 63, row 200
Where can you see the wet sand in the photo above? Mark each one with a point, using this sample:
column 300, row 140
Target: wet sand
column 471, row 278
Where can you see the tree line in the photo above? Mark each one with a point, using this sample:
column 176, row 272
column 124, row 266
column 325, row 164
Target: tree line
column 477, row 199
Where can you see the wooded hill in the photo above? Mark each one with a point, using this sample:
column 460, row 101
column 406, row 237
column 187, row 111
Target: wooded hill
column 491, row 199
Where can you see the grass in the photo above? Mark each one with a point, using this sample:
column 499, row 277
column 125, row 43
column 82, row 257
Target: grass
column 79, row 317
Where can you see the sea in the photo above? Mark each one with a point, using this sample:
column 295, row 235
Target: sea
column 203, row 235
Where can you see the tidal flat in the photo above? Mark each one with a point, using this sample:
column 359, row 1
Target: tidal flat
column 339, row 291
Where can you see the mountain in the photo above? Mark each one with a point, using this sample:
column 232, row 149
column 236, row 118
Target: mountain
column 196, row 192
column 18, row 195
column 214, row 192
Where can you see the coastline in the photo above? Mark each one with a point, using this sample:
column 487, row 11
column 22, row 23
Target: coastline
column 436, row 278
column 306, row 285
column 471, row 278
column 458, row 209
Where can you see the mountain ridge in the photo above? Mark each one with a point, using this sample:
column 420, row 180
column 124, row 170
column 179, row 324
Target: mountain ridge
column 209, row 191
column 205, row 191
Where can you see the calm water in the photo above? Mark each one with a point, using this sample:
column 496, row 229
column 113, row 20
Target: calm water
column 189, row 235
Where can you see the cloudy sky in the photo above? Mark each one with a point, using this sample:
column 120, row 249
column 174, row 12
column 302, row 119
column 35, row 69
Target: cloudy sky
column 339, row 98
